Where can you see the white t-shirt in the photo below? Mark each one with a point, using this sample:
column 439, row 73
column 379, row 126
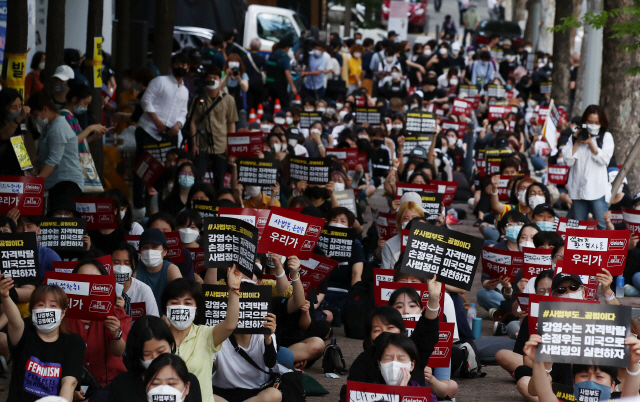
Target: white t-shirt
column 232, row 371
column 300, row 150
column 450, row 313
column 136, row 229
column 141, row 292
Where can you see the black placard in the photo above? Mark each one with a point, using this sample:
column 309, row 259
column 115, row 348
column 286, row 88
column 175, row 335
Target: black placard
column 431, row 203
column 313, row 170
column 371, row 115
column 254, row 305
column 545, row 87
column 418, row 140
column 583, row 333
column 493, row 158
column 451, row 255
column 19, row 256
column 159, row 150
column 337, row 242
column 496, row 91
column 531, row 62
column 470, row 90
column 347, row 199
column 62, row 234
column 563, row 392
column 230, row 241
column 257, row 172
column 308, row 118
column 420, row 123
column 206, row 209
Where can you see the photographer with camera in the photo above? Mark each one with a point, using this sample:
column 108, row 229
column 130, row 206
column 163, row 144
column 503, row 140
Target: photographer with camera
column 589, row 153
column 236, row 80
column 213, row 115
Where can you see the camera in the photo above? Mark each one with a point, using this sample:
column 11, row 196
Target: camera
column 583, row 134
column 235, row 71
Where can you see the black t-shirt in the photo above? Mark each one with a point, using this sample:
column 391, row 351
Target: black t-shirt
column 340, row 277
column 107, row 242
column 39, row 366
column 127, row 387
column 10, row 165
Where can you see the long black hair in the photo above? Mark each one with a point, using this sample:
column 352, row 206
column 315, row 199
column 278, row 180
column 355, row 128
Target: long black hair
column 133, row 254
column 145, row 329
column 123, row 201
column 175, row 191
column 96, row 263
column 399, row 340
column 407, row 290
column 162, row 361
column 388, row 315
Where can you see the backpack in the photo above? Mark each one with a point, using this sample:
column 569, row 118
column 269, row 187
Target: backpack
column 471, row 366
column 333, row 362
column 359, row 303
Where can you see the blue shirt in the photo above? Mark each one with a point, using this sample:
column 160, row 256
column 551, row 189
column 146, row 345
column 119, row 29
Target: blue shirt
column 315, row 64
column 483, row 70
column 59, row 148
column 46, row 257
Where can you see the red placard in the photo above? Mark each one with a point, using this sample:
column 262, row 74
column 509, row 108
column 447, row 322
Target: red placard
column 385, row 223
column 481, row 166
column 558, row 174
column 441, row 355
column 149, row 169
column 244, row 144
column 461, row 107
column 460, row 127
column 360, row 391
column 534, row 304
column 197, row 256
column 23, row 192
column 586, row 252
column 383, row 292
column 543, row 111
column 564, row 224
column 314, row 270
column 498, row 112
column 362, row 160
column 500, row 263
column 98, row 212
column 631, row 218
column 447, row 189
column 475, row 99
column 138, row 310
column 617, row 217
column 256, row 217
column 174, row 247
column 382, row 275
column 523, row 300
column 349, row 155
column 290, row 233
column 536, row 260
column 68, row 266
column 503, row 191
column 590, row 283
column 402, row 188
column 91, row 297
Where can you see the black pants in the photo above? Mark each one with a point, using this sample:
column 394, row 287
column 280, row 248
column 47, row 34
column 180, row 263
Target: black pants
column 255, row 96
column 217, row 163
column 279, row 91
column 142, row 138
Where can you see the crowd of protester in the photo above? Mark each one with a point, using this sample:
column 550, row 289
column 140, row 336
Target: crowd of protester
column 218, row 90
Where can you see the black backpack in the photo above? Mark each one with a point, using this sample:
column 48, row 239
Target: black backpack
column 333, row 362
column 471, row 366
column 359, row 303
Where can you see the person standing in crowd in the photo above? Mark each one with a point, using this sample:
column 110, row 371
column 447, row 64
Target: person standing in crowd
column 13, row 116
column 278, row 71
column 32, row 82
column 213, row 116
column 314, row 72
column 57, row 87
column 236, row 80
column 255, row 65
column 470, row 20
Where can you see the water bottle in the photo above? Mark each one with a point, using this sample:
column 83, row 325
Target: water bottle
column 620, row 287
column 471, row 314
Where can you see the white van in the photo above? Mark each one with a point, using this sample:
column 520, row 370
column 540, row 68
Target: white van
column 270, row 24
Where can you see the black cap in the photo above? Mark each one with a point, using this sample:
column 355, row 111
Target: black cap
column 418, row 152
column 543, row 207
column 64, row 203
column 560, row 277
column 153, row 236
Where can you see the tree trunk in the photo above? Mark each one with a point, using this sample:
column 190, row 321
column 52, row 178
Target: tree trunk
column 347, row 18
column 94, row 30
column 519, row 10
column 545, row 44
column 123, row 36
column 163, row 35
column 619, row 91
column 55, row 38
column 591, row 43
column 16, row 37
column 561, row 52
column 529, row 35
column 577, row 10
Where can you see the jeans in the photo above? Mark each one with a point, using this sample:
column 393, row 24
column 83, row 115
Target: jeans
column 464, row 38
column 538, row 163
column 336, row 299
column 442, row 373
column 313, row 93
column 488, row 299
column 513, row 328
column 285, row 357
column 598, row 208
column 635, row 280
column 491, row 233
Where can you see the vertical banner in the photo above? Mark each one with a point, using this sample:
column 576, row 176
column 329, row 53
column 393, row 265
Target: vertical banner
column 16, row 63
column 97, row 62
column 3, row 31
column 21, row 152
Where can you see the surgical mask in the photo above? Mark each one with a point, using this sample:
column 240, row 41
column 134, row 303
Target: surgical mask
column 522, row 105
column 14, row 115
column 560, row 161
column 409, row 173
column 358, row 42
column 265, row 128
column 188, row 235
column 389, row 126
column 78, row 110
column 526, row 244
column 545, row 226
column 593, row 129
column 342, row 114
column 453, row 82
column 604, row 391
column 345, row 49
column 321, row 110
column 339, row 106
column 498, row 128
column 293, row 142
column 338, row 225
column 41, row 124
column 395, row 75
column 528, row 49
column 389, row 60
column 186, row 181
column 213, row 85
column 509, row 87
column 276, row 147
column 315, row 131
column 573, row 295
column 392, row 372
column 289, row 120
column 550, row 65
column 165, row 393
column 331, row 111
column 531, row 103
column 411, row 317
column 357, row 55
column 169, row 187
column 574, row 129
column 253, row 191
column 151, row 258
column 404, row 225
column 122, row 273
column 521, row 195
column 338, row 186
column 181, row 317
column 451, row 140
column 317, row 52
column 279, row 120
column 535, row 201
column 123, row 213
column 46, row 319
column 511, row 233
column 41, row 66
column 442, row 51
column 146, row 363
column 426, row 51
column 397, row 126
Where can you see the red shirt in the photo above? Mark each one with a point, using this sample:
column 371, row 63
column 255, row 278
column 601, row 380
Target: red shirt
column 95, row 336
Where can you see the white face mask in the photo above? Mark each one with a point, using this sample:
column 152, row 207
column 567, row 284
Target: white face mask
column 214, row 86
column 151, row 258
column 426, row 51
column 521, row 198
column 397, row 126
column 266, row 128
column 409, row 173
column 146, row 363
column 531, row 103
column 293, row 142
column 46, row 319
column 528, row 49
column 234, row 64
column 338, row 186
column 289, row 120
column 389, row 60
column 317, row 52
column 181, row 317
column 123, row 212
column 331, row 111
column 573, row 295
column 404, row 225
column 389, row 126
column 339, row 106
column 526, row 244
column 453, row 82
column 338, row 225
column 392, row 372
column 277, row 147
column 314, row 131
column 321, row 110
column 535, row 201
column 395, row 75
column 122, row 273
column 165, row 393
column 188, row 235
column 41, row 66
column 60, row 216
column 593, row 129
column 357, row 55
column 411, row 317
column 342, row 114
column 451, row 140
column 253, row 191
column 279, row 120
column 442, row 51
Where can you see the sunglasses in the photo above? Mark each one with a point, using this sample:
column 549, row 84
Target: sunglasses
column 563, row 289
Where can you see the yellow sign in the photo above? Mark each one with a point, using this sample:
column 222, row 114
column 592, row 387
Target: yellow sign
column 97, row 76
column 16, row 71
column 21, row 152
column 97, row 49
column 97, row 62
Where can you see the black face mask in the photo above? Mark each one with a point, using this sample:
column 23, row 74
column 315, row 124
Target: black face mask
column 378, row 142
column 179, row 72
column 315, row 192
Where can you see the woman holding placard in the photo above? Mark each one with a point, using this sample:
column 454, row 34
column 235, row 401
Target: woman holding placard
column 46, row 356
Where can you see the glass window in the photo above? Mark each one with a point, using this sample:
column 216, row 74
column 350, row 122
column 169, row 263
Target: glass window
column 274, row 27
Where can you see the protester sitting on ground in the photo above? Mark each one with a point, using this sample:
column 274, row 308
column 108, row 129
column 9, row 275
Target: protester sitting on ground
column 410, row 207
column 167, row 379
column 166, row 223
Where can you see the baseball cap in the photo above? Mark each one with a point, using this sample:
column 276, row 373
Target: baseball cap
column 560, row 277
column 418, row 152
column 506, row 42
column 64, row 73
column 543, row 207
column 455, row 47
column 64, row 203
column 153, row 236
column 411, row 196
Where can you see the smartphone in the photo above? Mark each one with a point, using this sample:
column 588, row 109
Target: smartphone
column 119, row 289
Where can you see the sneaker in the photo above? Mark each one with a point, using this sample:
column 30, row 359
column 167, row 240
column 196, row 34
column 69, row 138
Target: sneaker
column 631, row 291
column 499, row 328
column 494, row 314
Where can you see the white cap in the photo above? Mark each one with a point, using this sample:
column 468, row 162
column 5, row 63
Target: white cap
column 411, row 196
column 64, row 73
column 455, row 47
